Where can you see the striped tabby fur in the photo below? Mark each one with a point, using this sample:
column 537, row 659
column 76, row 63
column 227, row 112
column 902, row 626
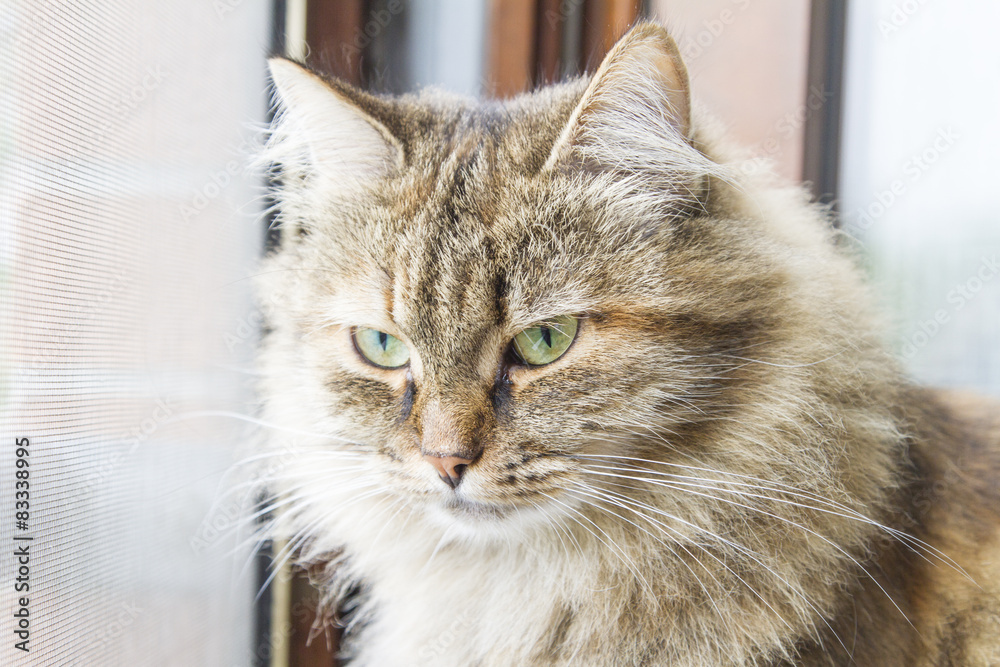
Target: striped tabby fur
column 726, row 467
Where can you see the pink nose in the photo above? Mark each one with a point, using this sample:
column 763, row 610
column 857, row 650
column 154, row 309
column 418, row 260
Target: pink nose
column 450, row 468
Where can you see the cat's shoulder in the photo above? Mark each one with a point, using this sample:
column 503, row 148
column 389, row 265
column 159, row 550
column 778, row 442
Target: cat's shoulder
column 957, row 451
column 957, row 508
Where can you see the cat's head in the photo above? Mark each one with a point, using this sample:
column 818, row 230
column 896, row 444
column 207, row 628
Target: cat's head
column 480, row 306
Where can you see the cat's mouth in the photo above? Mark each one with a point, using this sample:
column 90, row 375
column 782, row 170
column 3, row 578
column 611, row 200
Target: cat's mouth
column 497, row 518
column 474, row 509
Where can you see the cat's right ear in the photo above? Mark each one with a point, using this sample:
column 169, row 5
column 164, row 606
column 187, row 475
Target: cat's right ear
column 635, row 116
column 346, row 146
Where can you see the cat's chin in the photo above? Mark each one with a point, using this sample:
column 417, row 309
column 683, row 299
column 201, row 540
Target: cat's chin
column 463, row 517
column 474, row 510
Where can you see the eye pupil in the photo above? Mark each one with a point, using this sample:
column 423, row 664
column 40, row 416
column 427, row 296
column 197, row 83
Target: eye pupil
column 380, row 348
column 543, row 343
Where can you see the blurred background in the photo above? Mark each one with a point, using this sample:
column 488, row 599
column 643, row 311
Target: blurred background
column 131, row 223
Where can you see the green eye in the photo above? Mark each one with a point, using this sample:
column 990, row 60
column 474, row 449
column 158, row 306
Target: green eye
column 380, row 348
column 545, row 342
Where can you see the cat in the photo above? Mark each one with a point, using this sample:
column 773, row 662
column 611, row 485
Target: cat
column 554, row 383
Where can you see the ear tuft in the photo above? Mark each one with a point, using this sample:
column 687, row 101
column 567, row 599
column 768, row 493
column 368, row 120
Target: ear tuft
column 322, row 132
column 635, row 115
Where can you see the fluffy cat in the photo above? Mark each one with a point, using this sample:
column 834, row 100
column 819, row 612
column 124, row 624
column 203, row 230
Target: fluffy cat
column 553, row 384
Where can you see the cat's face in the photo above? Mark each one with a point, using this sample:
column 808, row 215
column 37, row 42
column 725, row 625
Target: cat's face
column 484, row 301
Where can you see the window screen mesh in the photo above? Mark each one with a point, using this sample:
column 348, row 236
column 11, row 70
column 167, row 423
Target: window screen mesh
column 129, row 227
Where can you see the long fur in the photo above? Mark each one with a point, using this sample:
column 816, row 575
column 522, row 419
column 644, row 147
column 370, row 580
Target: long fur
column 721, row 469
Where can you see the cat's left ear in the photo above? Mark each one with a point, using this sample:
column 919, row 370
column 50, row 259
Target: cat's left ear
column 344, row 142
column 638, row 101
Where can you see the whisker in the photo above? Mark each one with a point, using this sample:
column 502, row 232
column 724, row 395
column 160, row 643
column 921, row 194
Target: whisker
column 203, row 414
column 909, row 541
column 608, row 498
column 804, row 528
column 748, row 553
column 616, row 549
column 670, row 548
